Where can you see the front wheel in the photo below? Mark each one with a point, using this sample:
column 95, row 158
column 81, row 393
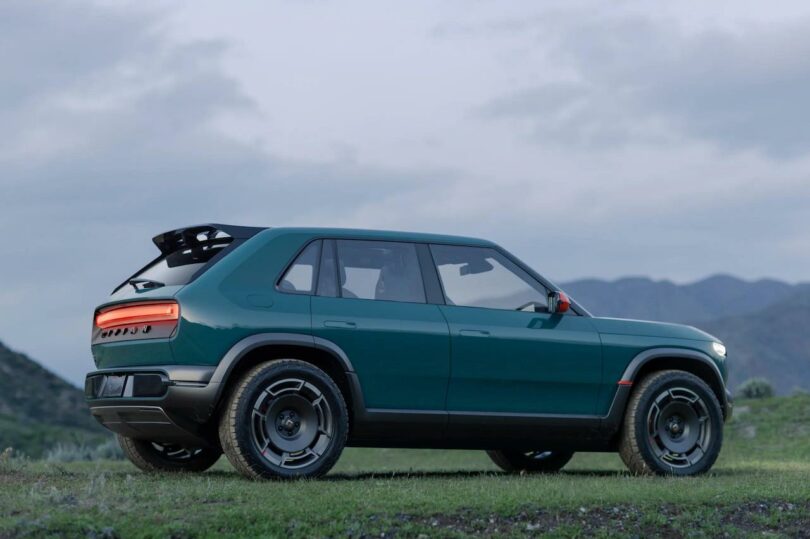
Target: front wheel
column 158, row 457
column 530, row 461
column 673, row 426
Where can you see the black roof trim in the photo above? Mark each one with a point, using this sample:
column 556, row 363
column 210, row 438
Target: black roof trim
column 170, row 241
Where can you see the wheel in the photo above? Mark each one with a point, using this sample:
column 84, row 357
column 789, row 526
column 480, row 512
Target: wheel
column 673, row 425
column 157, row 457
column 284, row 419
column 530, row 461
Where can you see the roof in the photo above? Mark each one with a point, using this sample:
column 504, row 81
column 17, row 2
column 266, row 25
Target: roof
column 390, row 235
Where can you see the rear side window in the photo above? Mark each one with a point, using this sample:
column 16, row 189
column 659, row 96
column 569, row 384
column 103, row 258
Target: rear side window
column 179, row 267
column 379, row 270
column 300, row 277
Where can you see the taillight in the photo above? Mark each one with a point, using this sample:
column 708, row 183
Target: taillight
column 144, row 313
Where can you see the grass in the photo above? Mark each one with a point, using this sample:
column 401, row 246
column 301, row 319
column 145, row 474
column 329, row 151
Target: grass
column 761, row 484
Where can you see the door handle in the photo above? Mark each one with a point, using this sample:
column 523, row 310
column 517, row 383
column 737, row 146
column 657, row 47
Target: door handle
column 473, row 333
column 342, row 324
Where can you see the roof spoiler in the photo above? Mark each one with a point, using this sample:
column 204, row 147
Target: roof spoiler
column 192, row 236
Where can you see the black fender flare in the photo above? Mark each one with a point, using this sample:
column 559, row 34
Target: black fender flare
column 646, row 356
column 239, row 350
column 615, row 416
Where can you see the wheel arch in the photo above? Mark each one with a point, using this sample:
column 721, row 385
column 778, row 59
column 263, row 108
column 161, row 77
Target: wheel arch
column 691, row 361
column 262, row 347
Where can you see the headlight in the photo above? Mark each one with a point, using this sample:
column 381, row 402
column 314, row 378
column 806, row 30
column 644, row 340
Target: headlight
column 719, row 349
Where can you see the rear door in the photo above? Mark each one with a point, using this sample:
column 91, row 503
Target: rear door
column 371, row 302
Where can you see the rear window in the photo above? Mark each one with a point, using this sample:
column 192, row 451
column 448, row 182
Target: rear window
column 180, row 266
column 187, row 252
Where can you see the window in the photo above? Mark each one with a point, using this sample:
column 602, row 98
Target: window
column 483, row 277
column 379, row 270
column 300, row 278
column 179, row 267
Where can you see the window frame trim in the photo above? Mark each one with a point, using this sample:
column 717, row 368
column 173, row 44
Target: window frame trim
column 548, row 285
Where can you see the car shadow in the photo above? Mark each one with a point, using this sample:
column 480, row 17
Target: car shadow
column 460, row 474
column 439, row 474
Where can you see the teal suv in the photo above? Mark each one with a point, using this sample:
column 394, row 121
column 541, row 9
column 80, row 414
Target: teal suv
column 280, row 346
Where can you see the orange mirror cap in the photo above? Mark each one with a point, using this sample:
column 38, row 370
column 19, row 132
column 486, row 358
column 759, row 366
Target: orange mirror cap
column 138, row 314
column 564, row 303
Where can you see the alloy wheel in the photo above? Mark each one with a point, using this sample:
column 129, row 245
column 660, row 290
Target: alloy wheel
column 176, row 453
column 292, row 423
column 679, row 427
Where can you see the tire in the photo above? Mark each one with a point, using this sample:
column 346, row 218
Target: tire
column 513, row 461
column 153, row 457
column 673, row 426
column 285, row 419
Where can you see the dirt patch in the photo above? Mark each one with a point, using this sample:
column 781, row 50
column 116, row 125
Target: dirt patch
column 664, row 521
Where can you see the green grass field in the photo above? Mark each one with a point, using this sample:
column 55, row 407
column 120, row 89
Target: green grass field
column 760, row 485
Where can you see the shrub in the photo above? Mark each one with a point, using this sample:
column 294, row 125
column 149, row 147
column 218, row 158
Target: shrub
column 11, row 461
column 755, row 388
column 108, row 450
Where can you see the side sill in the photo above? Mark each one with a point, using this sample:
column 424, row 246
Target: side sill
column 482, row 430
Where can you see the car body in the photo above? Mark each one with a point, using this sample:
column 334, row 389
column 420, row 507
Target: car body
column 427, row 347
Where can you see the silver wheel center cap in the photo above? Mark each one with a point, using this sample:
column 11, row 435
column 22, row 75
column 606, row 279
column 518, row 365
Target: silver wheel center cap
column 675, row 426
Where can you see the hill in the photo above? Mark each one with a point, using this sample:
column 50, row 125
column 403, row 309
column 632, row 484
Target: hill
column 773, row 343
column 763, row 324
column 642, row 298
column 38, row 409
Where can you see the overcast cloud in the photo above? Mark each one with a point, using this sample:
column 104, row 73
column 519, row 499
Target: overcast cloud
column 591, row 140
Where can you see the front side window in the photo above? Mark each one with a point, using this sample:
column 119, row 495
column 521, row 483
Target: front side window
column 379, row 270
column 300, row 277
column 483, row 277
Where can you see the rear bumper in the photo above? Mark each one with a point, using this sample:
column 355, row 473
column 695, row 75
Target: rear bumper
column 171, row 404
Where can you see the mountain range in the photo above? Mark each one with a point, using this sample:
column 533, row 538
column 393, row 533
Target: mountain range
column 765, row 324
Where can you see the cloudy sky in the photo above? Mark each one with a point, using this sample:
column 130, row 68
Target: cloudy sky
column 592, row 139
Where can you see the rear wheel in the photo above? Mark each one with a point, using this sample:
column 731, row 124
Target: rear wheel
column 285, row 419
column 159, row 457
column 530, row 461
column 673, row 425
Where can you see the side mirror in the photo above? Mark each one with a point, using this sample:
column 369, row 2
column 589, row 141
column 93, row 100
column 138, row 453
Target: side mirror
column 558, row 302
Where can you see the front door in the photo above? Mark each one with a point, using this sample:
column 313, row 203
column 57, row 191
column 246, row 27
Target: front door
column 509, row 356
